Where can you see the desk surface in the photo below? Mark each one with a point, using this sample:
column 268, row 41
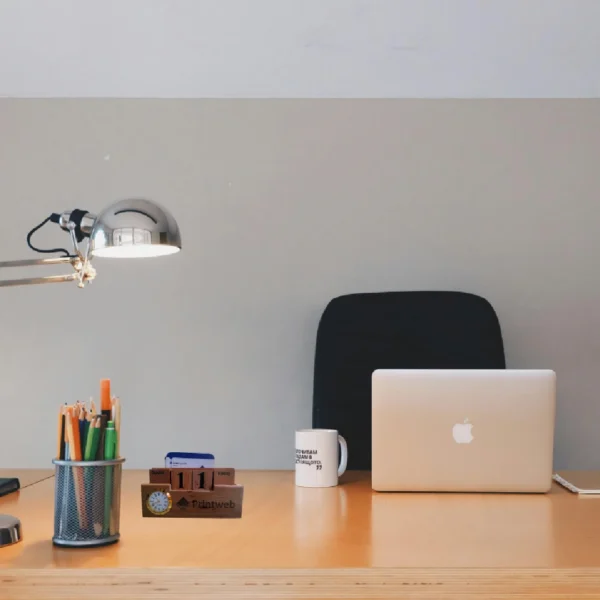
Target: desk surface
column 26, row 477
column 348, row 527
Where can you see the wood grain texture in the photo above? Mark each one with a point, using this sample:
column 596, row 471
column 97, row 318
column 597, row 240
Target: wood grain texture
column 223, row 501
column 417, row 584
column 27, row 477
column 348, row 527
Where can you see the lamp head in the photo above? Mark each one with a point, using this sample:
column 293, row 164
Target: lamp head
column 134, row 228
column 131, row 228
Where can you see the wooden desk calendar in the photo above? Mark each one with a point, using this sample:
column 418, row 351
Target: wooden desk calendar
column 192, row 493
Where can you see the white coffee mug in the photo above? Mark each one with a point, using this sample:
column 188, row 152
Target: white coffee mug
column 318, row 462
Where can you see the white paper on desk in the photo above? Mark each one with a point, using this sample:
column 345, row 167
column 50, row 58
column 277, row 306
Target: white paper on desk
column 579, row 482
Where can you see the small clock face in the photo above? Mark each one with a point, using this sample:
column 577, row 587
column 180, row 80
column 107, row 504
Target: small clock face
column 159, row 503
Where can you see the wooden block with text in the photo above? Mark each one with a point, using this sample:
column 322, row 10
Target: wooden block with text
column 202, row 479
column 160, row 476
column 224, row 476
column 181, row 479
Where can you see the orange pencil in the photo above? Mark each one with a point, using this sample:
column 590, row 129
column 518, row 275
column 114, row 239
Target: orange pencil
column 76, row 453
column 75, row 450
column 69, row 428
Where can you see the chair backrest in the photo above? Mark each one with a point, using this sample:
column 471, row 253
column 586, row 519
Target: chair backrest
column 359, row 333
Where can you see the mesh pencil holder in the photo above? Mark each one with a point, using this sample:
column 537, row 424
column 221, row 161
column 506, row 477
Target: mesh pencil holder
column 87, row 502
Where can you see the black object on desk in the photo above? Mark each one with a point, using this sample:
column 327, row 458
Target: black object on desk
column 9, row 485
column 359, row 333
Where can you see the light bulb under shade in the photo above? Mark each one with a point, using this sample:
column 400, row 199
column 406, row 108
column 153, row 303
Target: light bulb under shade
column 134, row 228
column 139, row 251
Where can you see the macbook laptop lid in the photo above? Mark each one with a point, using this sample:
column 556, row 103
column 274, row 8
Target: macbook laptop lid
column 463, row 430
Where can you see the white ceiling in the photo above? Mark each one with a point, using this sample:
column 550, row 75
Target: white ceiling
column 299, row 48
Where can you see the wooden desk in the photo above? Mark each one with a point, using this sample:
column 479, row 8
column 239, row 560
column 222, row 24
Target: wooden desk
column 26, row 477
column 320, row 543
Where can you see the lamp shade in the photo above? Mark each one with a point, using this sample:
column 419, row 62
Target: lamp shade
column 134, row 228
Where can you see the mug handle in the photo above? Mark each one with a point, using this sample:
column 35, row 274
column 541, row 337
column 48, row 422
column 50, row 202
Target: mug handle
column 343, row 455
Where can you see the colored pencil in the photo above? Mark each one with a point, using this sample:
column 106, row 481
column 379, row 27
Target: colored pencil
column 75, row 452
column 66, row 440
column 82, row 430
column 102, row 428
column 75, row 439
column 116, row 406
column 61, row 433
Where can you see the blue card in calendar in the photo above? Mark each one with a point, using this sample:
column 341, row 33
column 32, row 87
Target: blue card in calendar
column 189, row 460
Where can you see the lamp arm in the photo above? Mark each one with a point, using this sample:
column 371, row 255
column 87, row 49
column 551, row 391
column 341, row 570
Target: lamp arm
column 84, row 271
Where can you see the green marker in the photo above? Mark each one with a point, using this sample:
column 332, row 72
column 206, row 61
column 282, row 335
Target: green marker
column 110, row 441
column 89, row 454
column 110, row 447
column 91, row 443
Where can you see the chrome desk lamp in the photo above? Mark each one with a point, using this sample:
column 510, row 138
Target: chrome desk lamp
column 132, row 228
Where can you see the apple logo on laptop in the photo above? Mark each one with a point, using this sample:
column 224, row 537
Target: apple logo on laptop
column 461, row 432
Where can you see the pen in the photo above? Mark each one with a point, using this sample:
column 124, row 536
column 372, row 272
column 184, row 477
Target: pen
column 105, row 398
column 117, row 420
column 110, row 441
column 109, row 454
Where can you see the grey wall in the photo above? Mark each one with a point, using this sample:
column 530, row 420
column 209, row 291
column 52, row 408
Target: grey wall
column 283, row 205
column 307, row 49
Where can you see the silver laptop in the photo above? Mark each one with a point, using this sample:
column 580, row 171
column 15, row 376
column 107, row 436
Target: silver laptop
column 463, row 430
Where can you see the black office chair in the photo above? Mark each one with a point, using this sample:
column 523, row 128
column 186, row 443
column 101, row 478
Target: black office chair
column 359, row 333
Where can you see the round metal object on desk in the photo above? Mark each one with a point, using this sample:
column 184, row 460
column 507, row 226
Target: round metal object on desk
column 10, row 530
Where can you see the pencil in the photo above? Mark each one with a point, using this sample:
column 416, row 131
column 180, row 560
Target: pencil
column 75, row 439
column 82, row 430
column 86, row 431
column 100, row 452
column 91, row 443
column 90, row 455
column 61, row 434
column 75, row 449
column 66, row 486
column 99, row 481
column 67, row 455
column 115, row 487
